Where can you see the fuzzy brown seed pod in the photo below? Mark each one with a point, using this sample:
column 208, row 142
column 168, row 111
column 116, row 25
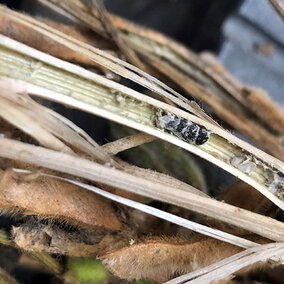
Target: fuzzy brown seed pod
column 55, row 199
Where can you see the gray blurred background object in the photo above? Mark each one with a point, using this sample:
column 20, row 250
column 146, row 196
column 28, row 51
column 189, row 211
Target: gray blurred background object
column 253, row 47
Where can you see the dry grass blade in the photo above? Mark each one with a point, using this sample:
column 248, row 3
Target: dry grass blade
column 112, row 148
column 278, row 7
column 48, row 127
column 226, row 267
column 115, row 34
column 160, row 178
column 65, row 163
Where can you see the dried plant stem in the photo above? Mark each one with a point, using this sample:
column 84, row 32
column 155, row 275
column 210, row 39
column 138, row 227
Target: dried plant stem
column 105, row 59
column 160, row 178
column 224, row 268
column 48, row 127
column 61, row 162
column 115, row 35
column 278, row 7
column 112, row 148
column 108, row 99
column 223, row 108
column 27, row 115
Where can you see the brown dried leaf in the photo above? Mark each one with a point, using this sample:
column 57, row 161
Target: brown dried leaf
column 55, row 199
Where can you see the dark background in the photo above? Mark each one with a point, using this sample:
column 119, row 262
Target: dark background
column 197, row 23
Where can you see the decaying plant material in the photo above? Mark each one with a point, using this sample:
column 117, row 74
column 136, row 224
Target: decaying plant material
column 75, row 198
